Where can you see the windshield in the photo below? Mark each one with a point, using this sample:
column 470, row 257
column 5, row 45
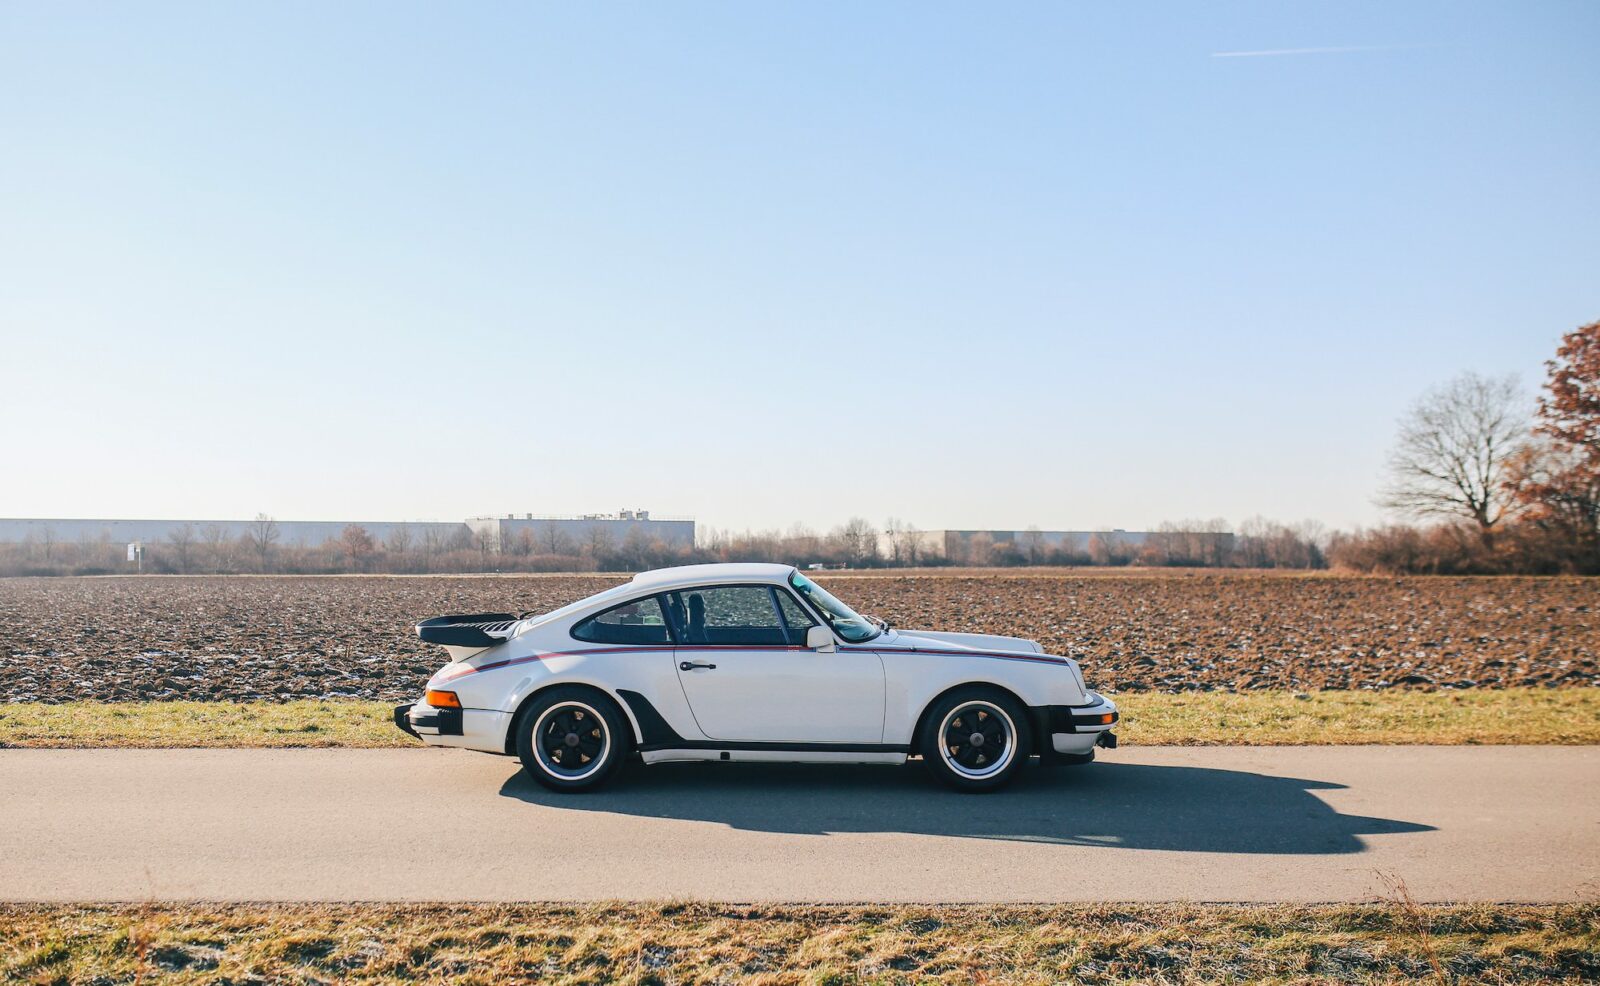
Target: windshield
column 846, row 622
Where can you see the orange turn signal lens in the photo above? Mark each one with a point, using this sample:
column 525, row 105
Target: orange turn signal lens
column 442, row 700
column 1105, row 720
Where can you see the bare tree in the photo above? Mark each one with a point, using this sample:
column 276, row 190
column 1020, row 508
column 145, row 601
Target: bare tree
column 597, row 542
column 1033, row 544
column 895, row 533
column 1454, row 447
column 86, row 553
column 182, row 540
column 432, row 546
column 554, row 540
column 856, row 542
column 912, row 552
column 261, row 535
column 978, row 549
column 219, row 547
column 398, row 545
column 358, row 546
column 487, row 541
column 801, row 544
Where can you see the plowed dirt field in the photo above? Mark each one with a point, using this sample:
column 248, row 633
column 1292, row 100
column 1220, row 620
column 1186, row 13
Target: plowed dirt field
column 242, row 637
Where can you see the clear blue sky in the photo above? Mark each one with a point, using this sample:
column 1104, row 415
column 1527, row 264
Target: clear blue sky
column 969, row 265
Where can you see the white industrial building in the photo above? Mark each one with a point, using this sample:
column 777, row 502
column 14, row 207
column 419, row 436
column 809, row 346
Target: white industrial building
column 564, row 535
column 955, row 545
column 496, row 532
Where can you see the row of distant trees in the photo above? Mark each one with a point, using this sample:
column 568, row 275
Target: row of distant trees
column 1491, row 482
column 407, row 549
column 1258, row 543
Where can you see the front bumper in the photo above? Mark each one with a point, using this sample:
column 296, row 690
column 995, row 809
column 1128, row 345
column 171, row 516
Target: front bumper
column 1075, row 730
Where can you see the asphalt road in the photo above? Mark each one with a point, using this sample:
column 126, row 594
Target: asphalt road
column 1229, row 824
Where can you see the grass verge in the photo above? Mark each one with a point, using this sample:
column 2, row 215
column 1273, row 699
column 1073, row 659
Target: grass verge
column 702, row 943
column 1567, row 716
column 1564, row 716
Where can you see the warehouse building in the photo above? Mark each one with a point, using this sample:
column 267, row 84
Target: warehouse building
column 564, row 535
column 959, row 546
column 496, row 532
column 288, row 533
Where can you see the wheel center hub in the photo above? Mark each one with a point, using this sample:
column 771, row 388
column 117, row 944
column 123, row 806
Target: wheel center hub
column 571, row 739
column 976, row 739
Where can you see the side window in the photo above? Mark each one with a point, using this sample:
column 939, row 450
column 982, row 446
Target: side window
column 638, row 622
column 795, row 617
column 729, row 615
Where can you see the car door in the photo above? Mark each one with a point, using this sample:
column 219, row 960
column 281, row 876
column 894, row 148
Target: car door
column 749, row 677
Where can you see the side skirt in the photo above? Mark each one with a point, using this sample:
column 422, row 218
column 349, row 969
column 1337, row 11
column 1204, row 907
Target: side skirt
column 732, row 753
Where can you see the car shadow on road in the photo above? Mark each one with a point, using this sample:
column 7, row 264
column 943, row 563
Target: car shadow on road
column 1192, row 809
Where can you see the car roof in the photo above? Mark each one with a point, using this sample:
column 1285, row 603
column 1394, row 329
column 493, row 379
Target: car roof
column 686, row 575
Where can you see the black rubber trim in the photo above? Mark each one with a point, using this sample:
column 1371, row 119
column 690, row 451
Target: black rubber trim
column 447, row 721
column 1064, row 719
column 402, row 719
column 653, row 729
column 656, row 734
column 778, row 747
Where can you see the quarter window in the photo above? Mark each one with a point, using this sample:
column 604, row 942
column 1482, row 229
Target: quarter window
column 638, row 622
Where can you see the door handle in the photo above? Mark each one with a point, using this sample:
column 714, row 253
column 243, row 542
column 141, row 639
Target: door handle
column 695, row 666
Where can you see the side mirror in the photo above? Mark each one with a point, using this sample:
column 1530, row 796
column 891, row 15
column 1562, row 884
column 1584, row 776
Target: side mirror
column 820, row 639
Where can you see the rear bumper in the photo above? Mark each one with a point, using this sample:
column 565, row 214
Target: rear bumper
column 402, row 720
column 423, row 721
column 467, row 729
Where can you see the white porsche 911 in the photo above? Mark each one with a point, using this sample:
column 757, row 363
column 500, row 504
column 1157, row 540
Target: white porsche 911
column 747, row 662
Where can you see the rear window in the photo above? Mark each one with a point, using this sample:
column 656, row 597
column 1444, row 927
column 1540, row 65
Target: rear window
column 639, row 621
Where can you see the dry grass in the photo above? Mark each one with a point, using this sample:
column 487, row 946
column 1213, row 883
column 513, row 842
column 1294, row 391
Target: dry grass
column 768, row 945
column 304, row 723
column 1567, row 716
column 1516, row 715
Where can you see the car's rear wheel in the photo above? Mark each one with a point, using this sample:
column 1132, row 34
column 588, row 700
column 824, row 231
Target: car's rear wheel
column 571, row 739
column 976, row 739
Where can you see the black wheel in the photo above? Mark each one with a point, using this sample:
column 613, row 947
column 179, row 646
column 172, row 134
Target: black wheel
column 571, row 739
column 976, row 739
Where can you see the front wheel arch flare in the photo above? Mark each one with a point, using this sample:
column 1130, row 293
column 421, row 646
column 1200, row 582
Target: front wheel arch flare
column 922, row 720
column 522, row 707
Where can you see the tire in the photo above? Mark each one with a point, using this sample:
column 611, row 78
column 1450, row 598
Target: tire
column 567, row 719
column 951, row 747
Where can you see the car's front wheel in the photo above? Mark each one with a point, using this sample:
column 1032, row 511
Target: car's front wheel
column 571, row 739
column 976, row 739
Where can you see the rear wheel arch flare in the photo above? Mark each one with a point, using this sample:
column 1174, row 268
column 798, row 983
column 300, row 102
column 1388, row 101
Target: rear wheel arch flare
column 531, row 697
column 922, row 718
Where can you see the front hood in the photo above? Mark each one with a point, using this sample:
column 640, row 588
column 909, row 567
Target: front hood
column 940, row 640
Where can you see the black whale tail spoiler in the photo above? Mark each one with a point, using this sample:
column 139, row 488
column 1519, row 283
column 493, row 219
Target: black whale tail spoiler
column 473, row 630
